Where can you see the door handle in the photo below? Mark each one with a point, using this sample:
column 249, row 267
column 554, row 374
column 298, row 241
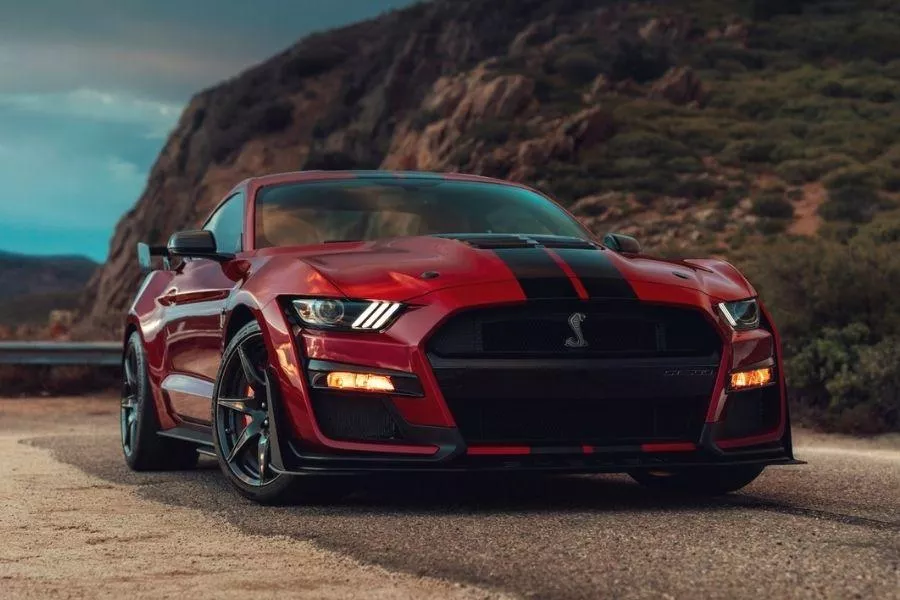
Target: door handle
column 169, row 297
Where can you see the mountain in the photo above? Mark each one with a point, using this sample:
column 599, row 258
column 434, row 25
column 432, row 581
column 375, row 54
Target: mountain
column 32, row 286
column 24, row 275
column 700, row 124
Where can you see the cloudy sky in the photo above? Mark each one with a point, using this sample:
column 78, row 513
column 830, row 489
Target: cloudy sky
column 90, row 88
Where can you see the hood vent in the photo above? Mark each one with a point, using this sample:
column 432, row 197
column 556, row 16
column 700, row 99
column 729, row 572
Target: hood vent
column 500, row 241
column 558, row 241
column 489, row 241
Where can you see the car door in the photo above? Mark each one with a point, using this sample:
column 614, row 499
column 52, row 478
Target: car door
column 194, row 305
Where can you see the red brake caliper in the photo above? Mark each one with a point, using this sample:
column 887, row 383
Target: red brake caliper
column 246, row 418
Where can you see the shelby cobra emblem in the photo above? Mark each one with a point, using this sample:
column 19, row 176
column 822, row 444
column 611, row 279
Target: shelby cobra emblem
column 576, row 341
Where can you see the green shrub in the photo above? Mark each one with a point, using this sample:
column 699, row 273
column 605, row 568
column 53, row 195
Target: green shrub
column 748, row 151
column 773, row 206
column 770, row 226
column 646, row 145
column 639, row 61
column 577, row 66
column 423, row 119
column 801, row 171
column 696, row 188
column 732, row 197
column 854, row 203
column 492, row 131
column 275, row 117
column 767, row 9
column 854, row 177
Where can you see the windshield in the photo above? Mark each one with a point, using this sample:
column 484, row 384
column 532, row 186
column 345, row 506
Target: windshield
column 298, row 214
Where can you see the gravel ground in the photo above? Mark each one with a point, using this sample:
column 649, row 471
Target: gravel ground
column 68, row 534
column 829, row 529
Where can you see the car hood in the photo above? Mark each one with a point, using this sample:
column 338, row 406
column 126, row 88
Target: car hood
column 402, row 269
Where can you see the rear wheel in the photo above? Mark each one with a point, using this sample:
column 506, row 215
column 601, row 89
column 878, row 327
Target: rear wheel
column 143, row 448
column 700, row 481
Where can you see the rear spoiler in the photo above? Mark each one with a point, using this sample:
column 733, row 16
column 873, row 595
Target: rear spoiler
column 145, row 254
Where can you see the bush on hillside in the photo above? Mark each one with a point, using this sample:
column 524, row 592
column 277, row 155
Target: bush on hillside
column 578, row 66
column 834, row 302
column 772, row 205
column 857, row 204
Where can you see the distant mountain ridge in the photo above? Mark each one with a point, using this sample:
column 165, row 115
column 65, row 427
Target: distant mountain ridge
column 28, row 274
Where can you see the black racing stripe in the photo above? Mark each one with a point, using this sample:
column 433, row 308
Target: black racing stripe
column 538, row 274
column 597, row 273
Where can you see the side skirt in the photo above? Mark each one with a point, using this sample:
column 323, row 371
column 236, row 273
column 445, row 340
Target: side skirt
column 203, row 439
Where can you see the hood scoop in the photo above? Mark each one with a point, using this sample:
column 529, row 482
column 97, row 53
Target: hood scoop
column 489, row 241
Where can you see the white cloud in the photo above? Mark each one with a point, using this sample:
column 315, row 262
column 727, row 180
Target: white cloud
column 158, row 117
column 124, row 171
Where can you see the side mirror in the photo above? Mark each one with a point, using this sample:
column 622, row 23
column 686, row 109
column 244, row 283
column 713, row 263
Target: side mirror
column 196, row 244
column 144, row 258
column 622, row 243
column 145, row 254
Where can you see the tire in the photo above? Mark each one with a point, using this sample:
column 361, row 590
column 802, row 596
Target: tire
column 143, row 448
column 701, row 481
column 239, row 403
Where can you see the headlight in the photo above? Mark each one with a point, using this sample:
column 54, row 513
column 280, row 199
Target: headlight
column 741, row 315
column 330, row 313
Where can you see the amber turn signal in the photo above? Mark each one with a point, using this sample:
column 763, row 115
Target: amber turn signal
column 743, row 380
column 366, row 382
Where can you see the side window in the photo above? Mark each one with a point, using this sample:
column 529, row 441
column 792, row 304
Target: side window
column 227, row 224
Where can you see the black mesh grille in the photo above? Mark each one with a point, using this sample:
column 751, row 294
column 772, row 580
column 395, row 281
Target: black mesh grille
column 625, row 329
column 507, row 375
column 751, row 413
column 354, row 418
column 556, row 421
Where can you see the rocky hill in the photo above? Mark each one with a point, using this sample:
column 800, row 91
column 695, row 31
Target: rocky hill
column 700, row 124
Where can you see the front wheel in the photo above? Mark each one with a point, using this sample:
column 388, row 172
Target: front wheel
column 241, row 423
column 699, row 481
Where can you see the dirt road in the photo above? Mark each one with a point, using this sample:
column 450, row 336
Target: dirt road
column 76, row 523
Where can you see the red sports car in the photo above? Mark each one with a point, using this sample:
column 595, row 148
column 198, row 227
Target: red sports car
column 349, row 323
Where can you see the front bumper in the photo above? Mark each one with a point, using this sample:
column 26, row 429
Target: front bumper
column 430, row 439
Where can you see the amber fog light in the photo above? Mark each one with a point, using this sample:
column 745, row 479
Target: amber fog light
column 742, row 380
column 367, row 382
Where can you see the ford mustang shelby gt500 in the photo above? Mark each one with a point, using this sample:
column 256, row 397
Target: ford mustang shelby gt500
column 328, row 322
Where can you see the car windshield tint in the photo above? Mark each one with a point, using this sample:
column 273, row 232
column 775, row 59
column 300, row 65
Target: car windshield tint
column 298, row 214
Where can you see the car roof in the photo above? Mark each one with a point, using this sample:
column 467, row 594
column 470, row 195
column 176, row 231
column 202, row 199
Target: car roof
column 300, row 176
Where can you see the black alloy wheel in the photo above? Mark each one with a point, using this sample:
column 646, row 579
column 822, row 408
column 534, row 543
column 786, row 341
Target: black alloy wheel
column 241, row 415
column 130, row 411
column 242, row 429
column 142, row 445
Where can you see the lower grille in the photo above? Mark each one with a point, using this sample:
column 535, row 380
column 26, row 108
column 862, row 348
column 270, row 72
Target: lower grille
column 579, row 421
column 354, row 418
column 751, row 413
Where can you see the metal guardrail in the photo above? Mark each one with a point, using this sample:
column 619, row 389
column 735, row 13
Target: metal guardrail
column 94, row 354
